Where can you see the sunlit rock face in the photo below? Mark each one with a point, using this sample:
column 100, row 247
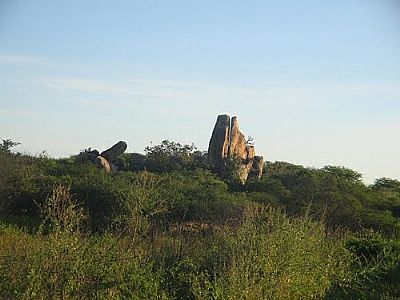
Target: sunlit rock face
column 102, row 163
column 228, row 142
column 238, row 146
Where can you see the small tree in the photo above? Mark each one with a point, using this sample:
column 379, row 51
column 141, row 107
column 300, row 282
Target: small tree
column 61, row 213
column 7, row 144
column 386, row 183
column 344, row 173
column 231, row 172
column 169, row 148
column 250, row 141
column 169, row 156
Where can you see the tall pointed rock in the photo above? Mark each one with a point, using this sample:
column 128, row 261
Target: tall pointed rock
column 227, row 141
column 218, row 148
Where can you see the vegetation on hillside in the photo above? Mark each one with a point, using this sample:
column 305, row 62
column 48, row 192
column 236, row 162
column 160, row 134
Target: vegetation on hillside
column 167, row 227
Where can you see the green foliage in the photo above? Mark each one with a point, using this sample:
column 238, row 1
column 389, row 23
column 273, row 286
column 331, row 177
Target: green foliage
column 6, row 145
column 231, row 172
column 386, row 183
column 140, row 202
column 387, row 193
column 60, row 212
column 333, row 193
column 196, row 195
column 344, row 173
column 274, row 257
column 375, row 270
column 166, row 157
column 168, row 148
column 66, row 266
column 169, row 156
column 169, row 228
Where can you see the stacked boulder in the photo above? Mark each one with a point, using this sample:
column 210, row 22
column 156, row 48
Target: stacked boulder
column 228, row 142
column 106, row 160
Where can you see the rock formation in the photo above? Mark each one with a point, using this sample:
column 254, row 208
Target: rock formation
column 107, row 159
column 257, row 167
column 219, row 143
column 102, row 163
column 112, row 153
column 228, row 142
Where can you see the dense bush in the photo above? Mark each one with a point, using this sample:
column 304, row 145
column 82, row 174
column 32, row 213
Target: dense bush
column 335, row 194
column 169, row 228
column 265, row 255
column 375, row 270
column 275, row 257
column 61, row 261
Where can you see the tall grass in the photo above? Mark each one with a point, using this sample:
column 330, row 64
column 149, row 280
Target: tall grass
column 62, row 262
column 266, row 256
column 275, row 257
column 174, row 236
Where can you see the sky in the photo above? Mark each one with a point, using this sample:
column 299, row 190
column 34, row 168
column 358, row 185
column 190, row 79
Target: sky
column 313, row 82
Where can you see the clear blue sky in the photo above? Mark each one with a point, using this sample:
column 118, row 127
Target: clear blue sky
column 314, row 82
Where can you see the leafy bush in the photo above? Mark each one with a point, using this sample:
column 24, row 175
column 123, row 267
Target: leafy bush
column 66, row 264
column 375, row 272
column 70, row 266
column 169, row 156
column 69, row 230
column 333, row 193
column 274, row 257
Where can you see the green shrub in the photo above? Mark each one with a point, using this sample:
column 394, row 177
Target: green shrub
column 66, row 264
column 184, row 233
column 375, row 271
column 274, row 257
column 71, row 266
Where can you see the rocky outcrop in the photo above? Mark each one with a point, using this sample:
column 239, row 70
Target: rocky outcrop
column 107, row 160
column 102, row 163
column 238, row 146
column 257, row 167
column 219, row 143
column 112, row 153
column 228, row 142
column 87, row 155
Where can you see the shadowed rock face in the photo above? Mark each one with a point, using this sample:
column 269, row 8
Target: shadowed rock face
column 227, row 141
column 107, row 160
column 112, row 153
column 87, row 155
column 219, row 143
column 257, row 167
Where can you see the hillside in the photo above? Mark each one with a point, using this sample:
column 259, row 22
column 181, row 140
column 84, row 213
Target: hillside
column 168, row 225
